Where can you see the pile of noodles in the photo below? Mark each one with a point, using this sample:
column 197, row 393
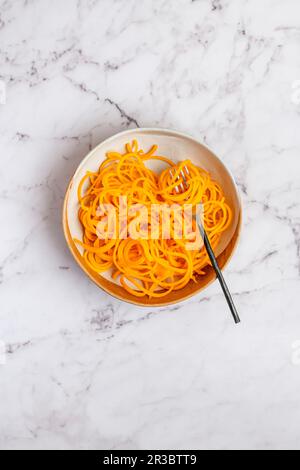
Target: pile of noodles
column 152, row 266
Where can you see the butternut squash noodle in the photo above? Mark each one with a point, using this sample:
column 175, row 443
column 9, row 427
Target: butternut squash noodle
column 151, row 267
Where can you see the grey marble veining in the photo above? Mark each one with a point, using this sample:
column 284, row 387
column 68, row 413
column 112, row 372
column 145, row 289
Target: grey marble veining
column 83, row 370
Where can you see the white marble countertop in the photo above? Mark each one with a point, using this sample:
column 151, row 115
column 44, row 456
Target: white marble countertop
column 82, row 370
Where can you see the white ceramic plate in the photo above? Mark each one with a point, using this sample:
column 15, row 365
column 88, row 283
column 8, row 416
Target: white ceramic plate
column 174, row 145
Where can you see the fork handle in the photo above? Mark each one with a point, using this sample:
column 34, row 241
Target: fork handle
column 219, row 274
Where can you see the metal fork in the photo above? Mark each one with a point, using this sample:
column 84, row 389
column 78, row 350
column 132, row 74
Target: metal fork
column 181, row 188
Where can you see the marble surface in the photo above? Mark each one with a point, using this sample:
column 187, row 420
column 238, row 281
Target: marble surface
column 80, row 369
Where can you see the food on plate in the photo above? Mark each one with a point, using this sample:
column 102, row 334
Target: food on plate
column 134, row 220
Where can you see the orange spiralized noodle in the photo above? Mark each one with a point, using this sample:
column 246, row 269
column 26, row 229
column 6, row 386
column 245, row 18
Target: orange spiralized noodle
column 151, row 266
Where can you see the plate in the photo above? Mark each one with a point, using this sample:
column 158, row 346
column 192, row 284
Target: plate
column 177, row 147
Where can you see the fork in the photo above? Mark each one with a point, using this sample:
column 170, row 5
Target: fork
column 181, row 188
